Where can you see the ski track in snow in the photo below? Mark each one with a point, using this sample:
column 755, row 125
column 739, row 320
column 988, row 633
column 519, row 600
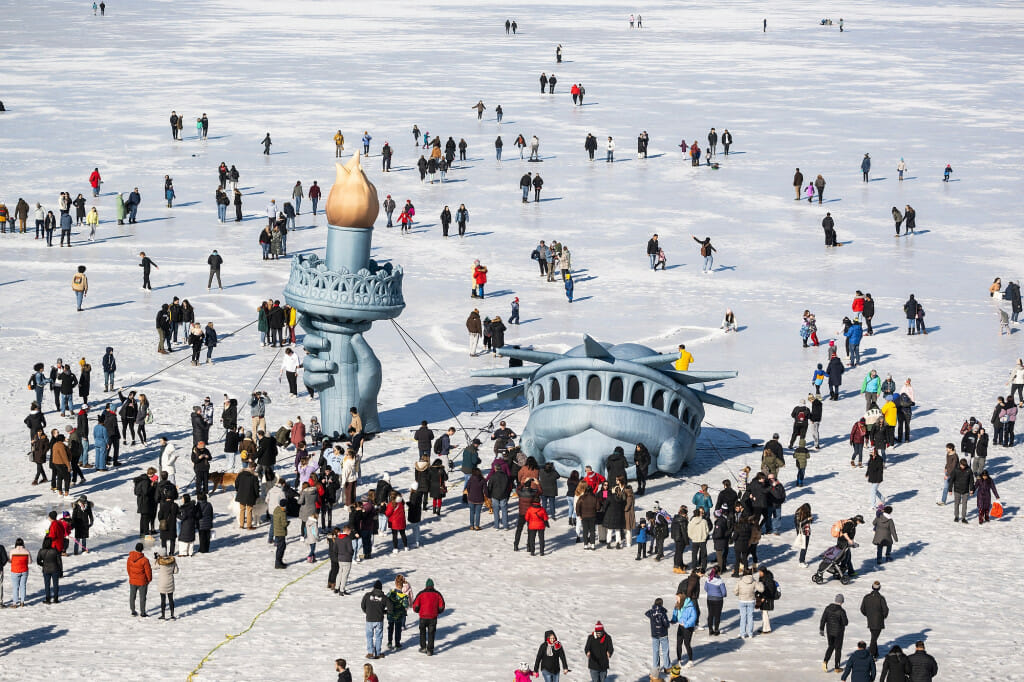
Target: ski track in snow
column 934, row 84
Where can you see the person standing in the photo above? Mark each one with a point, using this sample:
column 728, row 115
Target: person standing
column 280, row 526
column 727, row 142
column 833, row 625
column 876, row 610
column 429, row 604
column 798, row 183
column 461, row 218
column 48, row 558
column 339, row 144
column 174, row 125
column 658, row 617
column 599, row 650
column 375, row 605
column 140, row 574
column 865, row 167
column 290, row 365
column 215, row 260
column 610, row 150
column 146, row 264
column 20, row 561
column 961, row 484
column 398, row 599
column 652, row 251
column 712, row 142
column 538, row 183
column 819, row 184
column 65, row 228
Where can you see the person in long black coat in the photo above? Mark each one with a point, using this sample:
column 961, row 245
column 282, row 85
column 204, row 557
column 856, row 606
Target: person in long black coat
column 187, row 513
column 497, row 328
column 168, row 518
column 437, row 478
column 446, row 221
column 834, row 371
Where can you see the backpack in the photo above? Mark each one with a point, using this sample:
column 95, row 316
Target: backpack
column 837, row 528
column 535, row 255
column 141, row 487
column 776, row 591
column 437, row 445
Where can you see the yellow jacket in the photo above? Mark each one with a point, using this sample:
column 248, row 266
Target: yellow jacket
column 683, row 363
column 889, row 412
column 93, row 218
column 339, row 140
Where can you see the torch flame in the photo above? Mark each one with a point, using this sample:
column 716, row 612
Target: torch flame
column 352, row 201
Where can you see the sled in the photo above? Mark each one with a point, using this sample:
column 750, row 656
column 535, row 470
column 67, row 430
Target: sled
column 997, row 510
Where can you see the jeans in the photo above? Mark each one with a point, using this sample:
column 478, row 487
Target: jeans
column 875, row 496
column 298, row 205
column 610, row 157
column 526, row 193
column 571, row 503
column 746, row 618
column 315, row 202
column 474, row 515
column 800, row 476
column 67, row 402
column 549, row 677
column 108, row 379
column 709, row 262
column 79, row 295
column 222, row 212
column 854, row 354
column 374, row 635
column 960, row 505
column 659, row 645
column 548, row 504
column 654, row 259
column 945, row 488
column 497, row 153
column 598, row 675
column 280, row 541
column 20, row 582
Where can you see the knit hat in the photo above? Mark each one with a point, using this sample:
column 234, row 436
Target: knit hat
column 599, row 627
column 377, row 585
column 876, row 585
column 430, row 582
column 839, row 599
column 718, row 513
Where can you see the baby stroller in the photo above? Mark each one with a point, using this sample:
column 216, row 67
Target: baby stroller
column 832, row 562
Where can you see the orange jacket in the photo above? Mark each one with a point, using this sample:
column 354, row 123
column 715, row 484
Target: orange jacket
column 140, row 572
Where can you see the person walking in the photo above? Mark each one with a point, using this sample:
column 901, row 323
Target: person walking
column 961, row 484
column 885, row 535
column 550, row 661
column 429, row 604
column 140, row 575
column 376, row 606
column 876, row 610
column 599, row 650
column 819, row 184
column 266, row 144
column 746, row 590
column 214, row 261
column 923, row 667
column 833, row 625
column 860, row 667
column 79, row 283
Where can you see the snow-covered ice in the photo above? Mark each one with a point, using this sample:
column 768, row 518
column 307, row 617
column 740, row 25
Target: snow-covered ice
column 933, row 84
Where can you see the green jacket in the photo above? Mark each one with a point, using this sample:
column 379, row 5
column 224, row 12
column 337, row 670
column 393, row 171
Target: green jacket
column 399, row 605
column 801, row 455
column 119, row 203
column 470, row 459
column 280, row 522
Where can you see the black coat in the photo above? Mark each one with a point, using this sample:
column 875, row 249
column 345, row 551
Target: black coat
column 615, row 466
column 81, row 520
column 266, row 451
column 876, row 467
column 599, row 650
column 247, row 488
column 874, row 607
column 497, row 334
column 833, row 620
column 553, row 661
column 615, row 512
column 49, row 560
column 145, row 495
column 436, row 476
column 168, row 517
column 835, row 371
column 923, row 667
column 896, row 667
column 961, row 480
column 204, row 515
column 187, row 516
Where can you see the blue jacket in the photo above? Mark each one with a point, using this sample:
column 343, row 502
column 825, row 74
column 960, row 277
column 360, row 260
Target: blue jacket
column 659, row 621
column 702, row 500
column 641, row 534
column 865, row 165
column 855, row 333
column 715, row 589
column 100, row 436
column 860, row 667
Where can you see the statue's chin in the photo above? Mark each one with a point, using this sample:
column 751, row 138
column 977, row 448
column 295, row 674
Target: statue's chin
column 589, row 448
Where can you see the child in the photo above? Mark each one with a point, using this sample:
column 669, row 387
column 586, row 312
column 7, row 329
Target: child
column 802, row 523
column 662, row 261
column 817, row 379
column 487, row 334
column 167, row 567
column 65, row 522
column 368, row 675
column 801, row 454
column 311, row 535
column 315, row 432
column 641, row 540
column 569, row 286
column 524, row 673
column 742, row 480
column 809, row 192
column 341, row 667
column 946, row 173
column 649, row 519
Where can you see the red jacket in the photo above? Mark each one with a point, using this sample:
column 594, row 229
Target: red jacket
column 57, row 533
column 858, row 305
column 395, row 511
column 536, row 518
column 94, row 179
column 314, row 192
column 480, row 274
column 428, row 603
column 140, row 572
column 594, row 480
